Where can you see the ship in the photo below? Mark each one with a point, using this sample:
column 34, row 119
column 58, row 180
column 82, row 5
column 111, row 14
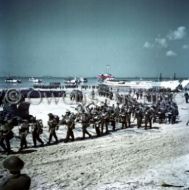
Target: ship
column 35, row 80
column 12, row 80
column 106, row 75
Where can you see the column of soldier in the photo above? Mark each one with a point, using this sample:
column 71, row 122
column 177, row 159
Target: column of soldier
column 161, row 109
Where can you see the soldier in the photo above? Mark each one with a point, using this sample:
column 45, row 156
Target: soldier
column 104, row 121
column 85, row 124
column 113, row 120
column 37, row 130
column 70, row 122
column 128, row 116
column 123, row 118
column 7, row 135
column 148, row 118
column 2, row 139
column 139, row 117
column 53, row 126
column 96, row 124
column 23, row 131
column 186, row 96
column 15, row 180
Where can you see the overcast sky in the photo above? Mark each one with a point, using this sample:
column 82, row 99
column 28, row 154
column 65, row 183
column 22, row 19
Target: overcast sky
column 80, row 37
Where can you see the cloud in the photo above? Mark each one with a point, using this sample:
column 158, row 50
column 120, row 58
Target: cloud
column 185, row 46
column 148, row 45
column 171, row 53
column 162, row 42
column 178, row 34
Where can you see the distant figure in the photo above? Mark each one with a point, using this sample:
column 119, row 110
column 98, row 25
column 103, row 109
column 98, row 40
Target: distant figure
column 186, row 96
column 15, row 180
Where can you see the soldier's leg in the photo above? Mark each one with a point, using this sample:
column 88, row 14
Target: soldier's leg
column 106, row 126
column 50, row 137
column 55, row 136
column 39, row 139
column 126, row 125
column 87, row 133
column 138, row 123
column 7, row 141
column 150, row 121
column 146, row 124
column 123, row 125
column 102, row 127
column 67, row 135
column 72, row 135
column 129, row 120
column 113, row 125
column 21, row 142
column 34, row 139
column 97, row 131
column 25, row 142
column 2, row 144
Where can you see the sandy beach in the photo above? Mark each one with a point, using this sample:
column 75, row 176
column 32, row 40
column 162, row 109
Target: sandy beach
column 126, row 159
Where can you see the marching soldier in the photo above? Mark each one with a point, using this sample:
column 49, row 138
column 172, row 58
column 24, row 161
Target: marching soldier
column 70, row 122
column 6, row 136
column 37, row 130
column 148, row 118
column 128, row 116
column 104, row 121
column 113, row 121
column 139, row 117
column 53, row 126
column 85, row 124
column 123, row 118
column 96, row 124
column 23, row 131
column 186, row 96
column 2, row 139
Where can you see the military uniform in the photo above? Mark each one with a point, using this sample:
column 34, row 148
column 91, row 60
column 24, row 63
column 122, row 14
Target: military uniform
column 85, row 124
column 37, row 130
column 139, row 117
column 53, row 126
column 69, row 121
column 148, row 118
column 6, row 136
column 123, row 119
column 2, row 140
column 96, row 124
column 23, row 131
column 104, row 121
column 113, row 121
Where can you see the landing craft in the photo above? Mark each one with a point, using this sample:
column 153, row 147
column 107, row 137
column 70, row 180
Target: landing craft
column 12, row 80
column 35, row 80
